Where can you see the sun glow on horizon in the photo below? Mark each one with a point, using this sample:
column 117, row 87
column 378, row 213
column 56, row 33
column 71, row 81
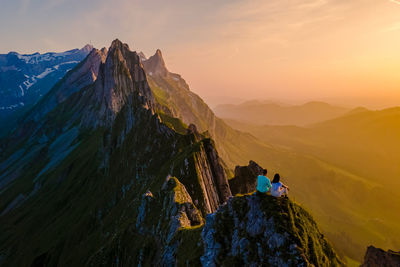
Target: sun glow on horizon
column 302, row 49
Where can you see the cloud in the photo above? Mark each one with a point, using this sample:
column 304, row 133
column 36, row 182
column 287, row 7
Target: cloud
column 393, row 27
column 395, row 1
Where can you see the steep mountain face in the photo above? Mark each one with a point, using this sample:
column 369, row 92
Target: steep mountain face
column 25, row 78
column 77, row 172
column 376, row 257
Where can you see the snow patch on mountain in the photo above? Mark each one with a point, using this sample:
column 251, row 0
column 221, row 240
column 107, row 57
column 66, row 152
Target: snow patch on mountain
column 10, row 107
column 65, row 63
column 37, row 57
column 44, row 74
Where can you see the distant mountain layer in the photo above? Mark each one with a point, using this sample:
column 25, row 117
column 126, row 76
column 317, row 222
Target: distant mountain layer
column 25, row 78
column 262, row 113
column 360, row 154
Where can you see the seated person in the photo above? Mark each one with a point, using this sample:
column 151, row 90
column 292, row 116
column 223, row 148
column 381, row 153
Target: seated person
column 263, row 183
column 278, row 189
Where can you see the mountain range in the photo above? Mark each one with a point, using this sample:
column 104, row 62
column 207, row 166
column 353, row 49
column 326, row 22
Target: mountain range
column 99, row 172
column 271, row 113
column 121, row 164
column 24, row 78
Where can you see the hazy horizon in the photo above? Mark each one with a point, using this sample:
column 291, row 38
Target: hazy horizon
column 228, row 51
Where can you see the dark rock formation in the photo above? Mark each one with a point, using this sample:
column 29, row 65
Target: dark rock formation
column 254, row 231
column 376, row 257
column 245, row 180
column 214, row 185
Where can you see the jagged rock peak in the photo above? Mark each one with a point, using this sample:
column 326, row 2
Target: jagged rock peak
column 159, row 55
column 118, row 44
column 102, row 53
column 142, row 56
column 376, row 257
column 87, row 48
column 155, row 65
column 121, row 81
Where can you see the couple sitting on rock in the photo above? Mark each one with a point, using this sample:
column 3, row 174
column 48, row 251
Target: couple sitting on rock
column 277, row 189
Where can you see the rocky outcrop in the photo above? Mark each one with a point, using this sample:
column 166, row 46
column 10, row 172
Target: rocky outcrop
column 155, row 65
column 212, row 178
column 267, row 231
column 376, row 257
column 245, row 180
column 162, row 215
column 121, row 81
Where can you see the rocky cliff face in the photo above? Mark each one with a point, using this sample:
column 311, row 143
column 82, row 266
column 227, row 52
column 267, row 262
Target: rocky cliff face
column 164, row 214
column 268, row 231
column 245, row 179
column 376, row 257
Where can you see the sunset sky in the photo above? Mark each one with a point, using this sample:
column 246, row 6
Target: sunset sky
column 341, row 51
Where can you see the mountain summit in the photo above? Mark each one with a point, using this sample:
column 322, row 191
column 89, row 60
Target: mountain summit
column 155, row 65
column 100, row 172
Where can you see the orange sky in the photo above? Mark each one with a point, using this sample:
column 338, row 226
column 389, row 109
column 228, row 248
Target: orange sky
column 331, row 50
column 337, row 50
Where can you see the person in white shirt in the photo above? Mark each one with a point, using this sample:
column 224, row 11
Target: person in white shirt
column 278, row 189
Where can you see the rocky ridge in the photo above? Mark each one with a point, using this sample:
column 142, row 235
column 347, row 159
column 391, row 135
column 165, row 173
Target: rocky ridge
column 118, row 180
column 102, row 148
column 253, row 231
